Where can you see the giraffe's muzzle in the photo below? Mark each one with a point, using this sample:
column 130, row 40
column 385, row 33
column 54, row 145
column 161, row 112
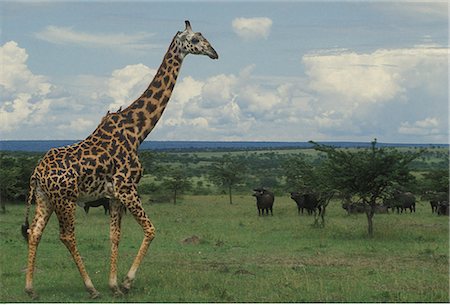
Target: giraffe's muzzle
column 212, row 53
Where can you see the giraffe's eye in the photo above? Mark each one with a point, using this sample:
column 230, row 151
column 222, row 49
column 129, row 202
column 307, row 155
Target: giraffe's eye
column 194, row 40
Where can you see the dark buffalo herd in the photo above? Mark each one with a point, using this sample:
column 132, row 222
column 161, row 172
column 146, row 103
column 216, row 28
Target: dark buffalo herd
column 315, row 204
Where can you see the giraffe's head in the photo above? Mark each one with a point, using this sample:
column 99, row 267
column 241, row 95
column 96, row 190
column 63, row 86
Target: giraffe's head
column 191, row 42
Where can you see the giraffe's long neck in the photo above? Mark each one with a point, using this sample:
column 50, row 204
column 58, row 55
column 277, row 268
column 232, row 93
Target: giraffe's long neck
column 137, row 120
column 148, row 109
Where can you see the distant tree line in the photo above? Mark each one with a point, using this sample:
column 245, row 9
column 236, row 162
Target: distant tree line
column 170, row 174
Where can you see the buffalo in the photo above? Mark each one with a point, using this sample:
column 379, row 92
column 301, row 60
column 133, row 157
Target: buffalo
column 353, row 207
column 309, row 201
column 434, row 205
column 443, row 208
column 96, row 203
column 436, row 198
column 264, row 201
column 358, row 208
column 401, row 201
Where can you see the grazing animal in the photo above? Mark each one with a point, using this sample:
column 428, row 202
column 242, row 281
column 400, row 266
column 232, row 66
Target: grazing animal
column 308, row 201
column 435, row 200
column 381, row 209
column 106, row 164
column 401, row 201
column 358, row 208
column 434, row 205
column 443, row 208
column 96, row 203
column 264, row 201
column 353, row 207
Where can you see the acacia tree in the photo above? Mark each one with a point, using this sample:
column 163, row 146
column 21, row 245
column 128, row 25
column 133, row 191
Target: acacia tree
column 367, row 173
column 177, row 181
column 305, row 177
column 227, row 172
column 436, row 181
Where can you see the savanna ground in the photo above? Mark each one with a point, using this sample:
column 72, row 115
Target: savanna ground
column 240, row 257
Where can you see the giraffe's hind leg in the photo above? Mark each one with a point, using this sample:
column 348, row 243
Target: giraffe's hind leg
column 66, row 216
column 133, row 203
column 116, row 211
column 41, row 217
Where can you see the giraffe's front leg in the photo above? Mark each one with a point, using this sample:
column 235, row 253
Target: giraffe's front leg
column 116, row 211
column 133, row 203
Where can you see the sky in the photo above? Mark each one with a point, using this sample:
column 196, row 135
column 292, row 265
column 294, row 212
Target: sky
column 287, row 70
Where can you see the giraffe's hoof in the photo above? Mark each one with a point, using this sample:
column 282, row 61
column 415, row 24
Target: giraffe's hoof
column 33, row 295
column 117, row 293
column 126, row 285
column 94, row 294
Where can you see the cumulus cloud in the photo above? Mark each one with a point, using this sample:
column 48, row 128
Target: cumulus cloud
column 15, row 73
column 126, row 84
column 378, row 90
column 378, row 76
column 25, row 96
column 343, row 96
column 120, row 41
column 425, row 127
column 388, row 94
column 233, row 107
column 186, row 89
column 252, row 28
column 77, row 125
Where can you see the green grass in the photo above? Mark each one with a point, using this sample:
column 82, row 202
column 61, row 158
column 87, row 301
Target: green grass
column 241, row 257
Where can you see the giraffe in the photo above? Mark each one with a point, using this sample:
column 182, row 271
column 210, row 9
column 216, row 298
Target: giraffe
column 106, row 164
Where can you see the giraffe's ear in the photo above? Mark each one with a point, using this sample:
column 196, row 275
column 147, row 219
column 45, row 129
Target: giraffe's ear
column 188, row 25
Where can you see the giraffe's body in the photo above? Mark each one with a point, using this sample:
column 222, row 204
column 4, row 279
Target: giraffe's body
column 106, row 164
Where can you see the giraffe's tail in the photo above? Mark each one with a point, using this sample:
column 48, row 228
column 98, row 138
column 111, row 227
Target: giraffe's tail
column 30, row 199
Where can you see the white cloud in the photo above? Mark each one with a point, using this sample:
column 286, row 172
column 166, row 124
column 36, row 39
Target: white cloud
column 15, row 75
column 15, row 112
column 126, row 84
column 376, row 77
column 24, row 95
column 419, row 10
column 373, row 92
column 389, row 94
column 218, row 89
column 252, row 28
column 78, row 125
column 232, row 107
column 425, row 127
column 120, row 41
column 186, row 89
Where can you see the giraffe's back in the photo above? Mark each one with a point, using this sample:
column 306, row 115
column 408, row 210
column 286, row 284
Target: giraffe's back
column 79, row 172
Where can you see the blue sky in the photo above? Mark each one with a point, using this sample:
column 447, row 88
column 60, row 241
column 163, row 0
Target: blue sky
column 287, row 71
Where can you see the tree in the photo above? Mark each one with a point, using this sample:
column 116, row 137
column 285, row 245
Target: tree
column 227, row 172
column 177, row 181
column 15, row 172
column 307, row 178
column 368, row 173
column 436, row 181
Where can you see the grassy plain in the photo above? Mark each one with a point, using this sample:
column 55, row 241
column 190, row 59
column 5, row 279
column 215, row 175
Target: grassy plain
column 240, row 257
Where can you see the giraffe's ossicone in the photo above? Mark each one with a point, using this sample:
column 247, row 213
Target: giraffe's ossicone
column 106, row 164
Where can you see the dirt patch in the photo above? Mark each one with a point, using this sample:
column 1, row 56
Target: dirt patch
column 243, row 272
column 191, row 240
